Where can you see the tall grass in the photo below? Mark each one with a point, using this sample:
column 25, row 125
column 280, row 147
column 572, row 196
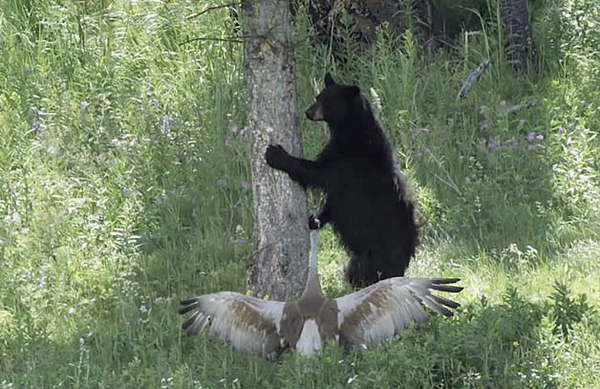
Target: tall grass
column 124, row 187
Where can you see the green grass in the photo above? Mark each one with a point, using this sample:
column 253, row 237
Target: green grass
column 123, row 189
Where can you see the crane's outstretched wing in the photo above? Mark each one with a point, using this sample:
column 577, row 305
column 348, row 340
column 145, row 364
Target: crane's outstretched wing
column 384, row 309
column 247, row 323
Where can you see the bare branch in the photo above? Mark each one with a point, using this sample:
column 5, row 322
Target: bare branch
column 233, row 40
column 472, row 79
column 211, row 9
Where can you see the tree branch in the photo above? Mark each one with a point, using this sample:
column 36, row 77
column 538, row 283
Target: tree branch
column 472, row 79
column 211, row 9
column 233, row 40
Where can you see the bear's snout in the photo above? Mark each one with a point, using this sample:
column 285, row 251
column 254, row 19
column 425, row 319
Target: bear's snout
column 315, row 112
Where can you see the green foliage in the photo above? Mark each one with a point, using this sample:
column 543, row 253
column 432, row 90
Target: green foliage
column 124, row 171
column 568, row 311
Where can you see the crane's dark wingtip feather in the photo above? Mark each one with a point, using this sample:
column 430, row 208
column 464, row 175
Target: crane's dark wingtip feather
column 189, row 323
column 441, row 304
column 442, row 281
column 444, row 301
column 187, row 305
column 441, row 284
column 443, row 310
column 188, row 301
column 447, row 288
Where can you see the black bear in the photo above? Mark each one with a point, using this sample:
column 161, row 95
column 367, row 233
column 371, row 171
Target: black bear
column 367, row 199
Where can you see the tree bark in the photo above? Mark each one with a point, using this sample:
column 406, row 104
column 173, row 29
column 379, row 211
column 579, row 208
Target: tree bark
column 520, row 48
column 277, row 266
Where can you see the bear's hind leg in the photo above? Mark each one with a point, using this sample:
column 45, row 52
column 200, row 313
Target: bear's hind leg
column 360, row 272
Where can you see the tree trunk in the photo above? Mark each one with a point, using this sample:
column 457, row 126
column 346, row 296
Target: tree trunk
column 520, row 49
column 277, row 266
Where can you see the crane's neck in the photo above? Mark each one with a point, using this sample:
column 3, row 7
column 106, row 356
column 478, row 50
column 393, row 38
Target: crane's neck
column 313, row 286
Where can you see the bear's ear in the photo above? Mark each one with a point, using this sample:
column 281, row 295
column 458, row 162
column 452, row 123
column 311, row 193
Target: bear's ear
column 354, row 91
column 329, row 80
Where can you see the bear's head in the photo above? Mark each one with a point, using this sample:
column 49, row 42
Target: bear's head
column 336, row 103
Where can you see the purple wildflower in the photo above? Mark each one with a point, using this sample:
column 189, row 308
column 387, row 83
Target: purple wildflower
column 245, row 185
column 227, row 140
column 493, row 145
column 242, row 132
column 531, row 136
column 530, row 147
column 143, row 309
column 84, row 104
column 233, row 129
column 158, row 300
column 522, row 122
column 561, row 130
column 236, row 241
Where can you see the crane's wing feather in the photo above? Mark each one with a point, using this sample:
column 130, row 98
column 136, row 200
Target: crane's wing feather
column 247, row 323
column 384, row 309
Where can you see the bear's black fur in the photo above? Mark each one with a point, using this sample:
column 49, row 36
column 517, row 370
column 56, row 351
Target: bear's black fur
column 367, row 199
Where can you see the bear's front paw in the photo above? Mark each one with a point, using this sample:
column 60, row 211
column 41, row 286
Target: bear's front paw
column 276, row 156
column 314, row 223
